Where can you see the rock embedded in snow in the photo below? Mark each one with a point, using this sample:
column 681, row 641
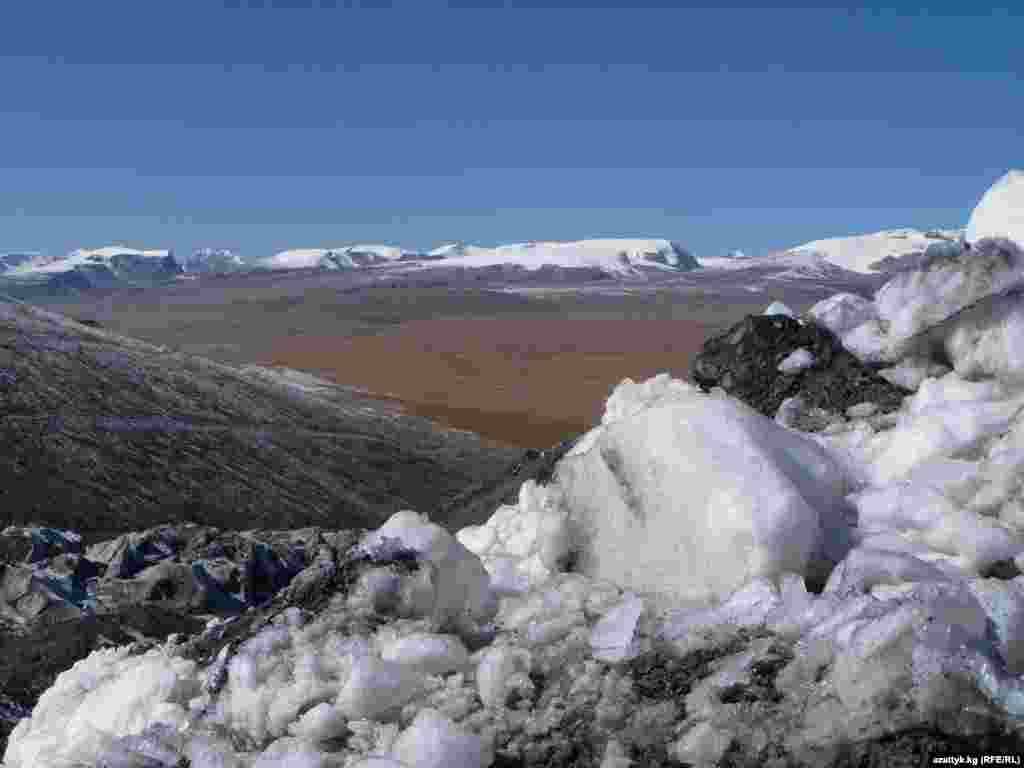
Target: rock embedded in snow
column 1000, row 212
column 745, row 359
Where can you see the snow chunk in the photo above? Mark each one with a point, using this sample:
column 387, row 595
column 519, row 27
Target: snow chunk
column 434, row 741
column 703, row 745
column 918, row 299
column 990, row 343
column 910, row 372
column 796, row 361
column 459, row 591
column 376, row 686
column 428, row 654
column 501, row 670
column 842, row 312
column 612, row 637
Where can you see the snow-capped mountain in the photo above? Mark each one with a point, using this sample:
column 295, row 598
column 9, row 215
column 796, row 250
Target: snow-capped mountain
column 1000, row 213
column 457, row 250
column 612, row 256
column 789, row 265
column 208, row 260
column 616, row 256
column 345, row 257
column 872, row 253
column 113, row 257
column 85, row 268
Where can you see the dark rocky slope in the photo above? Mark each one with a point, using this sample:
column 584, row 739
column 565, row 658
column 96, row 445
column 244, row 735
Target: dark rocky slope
column 104, row 434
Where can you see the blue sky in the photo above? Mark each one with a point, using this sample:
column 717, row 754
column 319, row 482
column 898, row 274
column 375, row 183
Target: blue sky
column 266, row 125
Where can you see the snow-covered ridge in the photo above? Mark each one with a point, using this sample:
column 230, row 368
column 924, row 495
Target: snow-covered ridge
column 858, row 253
column 344, row 257
column 617, row 256
column 611, row 255
column 85, row 257
column 213, row 260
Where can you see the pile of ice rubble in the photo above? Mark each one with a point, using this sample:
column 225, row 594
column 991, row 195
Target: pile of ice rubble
column 649, row 604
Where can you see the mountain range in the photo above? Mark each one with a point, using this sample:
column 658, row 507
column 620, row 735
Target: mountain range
column 33, row 276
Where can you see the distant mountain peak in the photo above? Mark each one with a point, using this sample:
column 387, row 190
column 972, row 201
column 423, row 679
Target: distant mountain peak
column 868, row 253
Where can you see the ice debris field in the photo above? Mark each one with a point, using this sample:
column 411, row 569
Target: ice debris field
column 884, row 552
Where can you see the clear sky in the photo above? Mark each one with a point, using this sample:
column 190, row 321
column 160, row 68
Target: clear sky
column 267, row 125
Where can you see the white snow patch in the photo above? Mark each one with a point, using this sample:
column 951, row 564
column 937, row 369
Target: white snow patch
column 858, row 252
column 796, row 361
column 1000, row 212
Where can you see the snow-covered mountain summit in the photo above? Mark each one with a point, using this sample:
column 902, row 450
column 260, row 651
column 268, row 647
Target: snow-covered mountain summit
column 616, row 256
column 85, row 268
column 869, row 253
column 344, row 257
column 112, row 257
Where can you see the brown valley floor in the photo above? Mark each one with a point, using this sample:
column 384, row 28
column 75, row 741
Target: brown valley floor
column 522, row 381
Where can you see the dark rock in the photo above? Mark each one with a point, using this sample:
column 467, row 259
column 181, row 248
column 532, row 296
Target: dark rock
column 744, row 361
column 32, row 544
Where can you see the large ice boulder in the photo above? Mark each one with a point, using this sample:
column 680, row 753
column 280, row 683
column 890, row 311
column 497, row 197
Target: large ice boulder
column 1000, row 213
column 696, row 494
